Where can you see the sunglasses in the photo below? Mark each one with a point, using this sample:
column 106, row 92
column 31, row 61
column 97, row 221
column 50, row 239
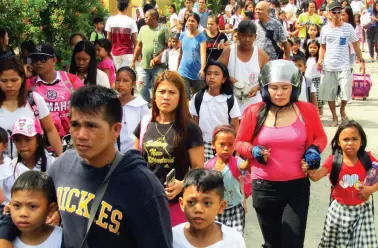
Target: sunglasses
column 42, row 58
column 336, row 12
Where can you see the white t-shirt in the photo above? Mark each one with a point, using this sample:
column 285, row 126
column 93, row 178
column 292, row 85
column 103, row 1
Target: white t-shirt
column 292, row 9
column 173, row 17
column 235, row 20
column 11, row 171
column 312, row 68
column 181, row 14
column 7, row 118
column 102, row 79
column 132, row 114
column 213, row 112
column 231, row 238
column 303, row 96
column 356, row 6
column 171, row 57
column 53, row 241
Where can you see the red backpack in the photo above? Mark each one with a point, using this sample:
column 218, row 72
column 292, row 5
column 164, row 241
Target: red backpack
column 245, row 180
column 221, row 22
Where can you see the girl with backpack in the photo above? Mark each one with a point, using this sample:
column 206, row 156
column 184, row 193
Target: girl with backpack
column 215, row 104
column 231, row 168
column 350, row 217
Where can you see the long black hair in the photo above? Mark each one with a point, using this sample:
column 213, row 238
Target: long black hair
column 348, row 10
column 131, row 72
column 106, row 44
column 3, row 47
column 227, row 87
column 87, row 47
column 349, row 124
column 308, row 36
column 40, row 155
column 375, row 12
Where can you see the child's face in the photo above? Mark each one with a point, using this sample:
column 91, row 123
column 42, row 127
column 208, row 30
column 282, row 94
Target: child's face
column 174, row 43
column 356, row 19
column 124, row 83
column 312, row 31
column 214, row 77
column 100, row 51
column 350, row 141
column 201, row 208
column 300, row 65
column 26, row 146
column 29, row 210
column 170, row 42
column 99, row 26
column 283, row 16
column 295, row 47
column 235, row 37
column 313, row 49
column 224, row 145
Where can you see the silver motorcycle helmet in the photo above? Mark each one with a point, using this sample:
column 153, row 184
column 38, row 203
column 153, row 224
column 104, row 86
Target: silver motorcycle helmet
column 280, row 71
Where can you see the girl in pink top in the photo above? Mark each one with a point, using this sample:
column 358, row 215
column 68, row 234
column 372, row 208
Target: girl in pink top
column 103, row 49
column 275, row 136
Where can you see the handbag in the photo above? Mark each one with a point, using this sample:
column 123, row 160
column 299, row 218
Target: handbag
column 269, row 35
column 241, row 89
column 99, row 195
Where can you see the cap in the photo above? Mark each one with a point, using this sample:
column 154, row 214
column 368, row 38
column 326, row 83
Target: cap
column 334, row 5
column 26, row 126
column 44, row 49
column 280, row 71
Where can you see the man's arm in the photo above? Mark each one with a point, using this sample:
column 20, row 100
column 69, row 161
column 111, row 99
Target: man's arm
column 286, row 47
column 137, row 53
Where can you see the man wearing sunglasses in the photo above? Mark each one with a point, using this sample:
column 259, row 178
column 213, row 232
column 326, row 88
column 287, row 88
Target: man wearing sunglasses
column 336, row 39
column 54, row 86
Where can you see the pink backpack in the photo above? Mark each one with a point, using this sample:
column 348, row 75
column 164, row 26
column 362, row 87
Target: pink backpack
column 57, row 96
column 245, row 180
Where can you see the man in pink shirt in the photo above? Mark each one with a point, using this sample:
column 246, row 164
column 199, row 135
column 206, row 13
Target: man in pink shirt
column 122, row 32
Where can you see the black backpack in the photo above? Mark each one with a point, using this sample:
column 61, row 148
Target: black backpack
column 198, row 101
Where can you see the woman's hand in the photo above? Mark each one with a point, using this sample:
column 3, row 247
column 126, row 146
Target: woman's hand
column 365, row 192
column 201, row 75
column 173, row 190
column 304, row 166
column 245, row 205
column 54, row 220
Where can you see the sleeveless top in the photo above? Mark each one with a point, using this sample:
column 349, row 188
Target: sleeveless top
column 246, row 72
column 287, row 144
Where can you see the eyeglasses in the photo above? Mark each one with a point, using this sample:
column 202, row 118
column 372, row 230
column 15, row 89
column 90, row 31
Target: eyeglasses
column 336, row 12
column 42, row 58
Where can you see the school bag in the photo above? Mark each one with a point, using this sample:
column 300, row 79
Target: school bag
column 221, row 22
column 337, row 164
column 199, row 98
column 233, row 166
column 57, row 97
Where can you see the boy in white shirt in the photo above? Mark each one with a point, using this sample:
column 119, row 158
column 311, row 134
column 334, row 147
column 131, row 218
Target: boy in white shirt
column 33, row 201
column 202, row 201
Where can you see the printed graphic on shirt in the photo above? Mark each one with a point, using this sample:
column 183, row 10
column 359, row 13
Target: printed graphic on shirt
column 76, row 201
column 350, row 181
column 158, row 152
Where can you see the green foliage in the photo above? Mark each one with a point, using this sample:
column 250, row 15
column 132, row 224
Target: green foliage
column 50, row 21
column 214, row 5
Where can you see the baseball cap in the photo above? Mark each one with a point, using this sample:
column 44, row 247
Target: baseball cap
column 334, row 5
column 44, row 49
column 27, row 127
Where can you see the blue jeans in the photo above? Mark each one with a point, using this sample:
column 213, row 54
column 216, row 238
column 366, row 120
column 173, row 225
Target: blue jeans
column 148, row 76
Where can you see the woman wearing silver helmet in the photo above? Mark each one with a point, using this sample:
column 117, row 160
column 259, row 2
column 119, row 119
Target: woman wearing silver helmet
column 275, row 135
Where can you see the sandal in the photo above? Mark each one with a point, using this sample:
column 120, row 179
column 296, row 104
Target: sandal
column 345, row 118
column 334, row 124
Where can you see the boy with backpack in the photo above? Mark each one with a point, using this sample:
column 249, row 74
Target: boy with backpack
column 98, row 33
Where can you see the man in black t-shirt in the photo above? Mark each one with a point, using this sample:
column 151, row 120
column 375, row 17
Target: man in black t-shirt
column 134, row 209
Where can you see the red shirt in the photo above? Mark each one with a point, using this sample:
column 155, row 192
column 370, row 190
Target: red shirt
column 350, row 178
column 315, row 134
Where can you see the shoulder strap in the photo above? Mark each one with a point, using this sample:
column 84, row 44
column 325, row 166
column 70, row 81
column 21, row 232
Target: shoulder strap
column 336, row 168
column 198, row 101
column 100, row 194
column 66, row 81
column 233, row 166
column 366, row 161
column 274, row 43
column 211, row 163
column 33, row 104
column 143, row 129
column 230, row 105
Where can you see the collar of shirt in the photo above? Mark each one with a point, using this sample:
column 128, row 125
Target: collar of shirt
column 137, row 102
column 220, row 98
column 57, row 79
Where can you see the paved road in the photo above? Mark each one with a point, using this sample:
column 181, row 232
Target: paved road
column 365, row 112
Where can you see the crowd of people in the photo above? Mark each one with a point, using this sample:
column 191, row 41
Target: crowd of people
column 156, row 133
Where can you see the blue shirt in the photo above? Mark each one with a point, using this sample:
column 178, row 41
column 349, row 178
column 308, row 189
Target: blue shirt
column 203, row 17
column 232, row 191
column 190, row 64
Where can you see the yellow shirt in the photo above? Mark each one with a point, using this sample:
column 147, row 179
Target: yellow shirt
column 304, row 18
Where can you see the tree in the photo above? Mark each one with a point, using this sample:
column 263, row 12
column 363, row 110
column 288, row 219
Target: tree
column 50, row 21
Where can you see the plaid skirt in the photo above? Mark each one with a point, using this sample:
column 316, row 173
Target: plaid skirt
column 209, row 153
column 316, row 83
column 349, row 227
column 233, row 217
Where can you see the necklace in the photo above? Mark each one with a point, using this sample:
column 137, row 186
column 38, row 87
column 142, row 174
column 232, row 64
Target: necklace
column 163, row 135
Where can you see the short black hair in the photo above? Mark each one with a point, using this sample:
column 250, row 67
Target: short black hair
column 3, row 136
column 205, row 180
column 147, row 7
column 298, row 58
column 36, row 181
column 154, row 13
column 122, row 5
column 98, row 19
column 297, row 40
column 98, row 99
column 28, row 45
column 247, row 26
